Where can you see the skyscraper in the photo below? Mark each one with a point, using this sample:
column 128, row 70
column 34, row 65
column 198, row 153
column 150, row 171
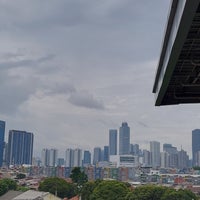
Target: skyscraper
column 172, row 154
column 86, row 158
column 112, row 142
column 164, row 159
column 195, row 146
column 169, row 148
column 20, row 147
column 155, row 154
column 183, row 159
column 146, row 158
column 77, row 158
column 53, row 156
column 45, row 157
column 106, row 153
column 97, row 155
column 69, row 155
column 2, row 134
column 134, row 149
column 124, row 139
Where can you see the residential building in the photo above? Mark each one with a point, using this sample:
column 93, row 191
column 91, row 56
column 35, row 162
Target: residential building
column 173, row 155
column 53, row 156
column 146, row 158
column 97, row 155
column 45, row 157
column 155, row 154
column 69, row 158
column 164, row 159
column 183, row 159
column 169, row 148
column 61, row 162
column 77, row 158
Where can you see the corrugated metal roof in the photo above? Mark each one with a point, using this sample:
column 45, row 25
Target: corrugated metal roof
column 10, row 195
column 31, row 195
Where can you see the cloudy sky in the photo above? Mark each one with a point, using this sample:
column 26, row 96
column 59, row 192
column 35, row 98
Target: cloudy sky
column 73, row 69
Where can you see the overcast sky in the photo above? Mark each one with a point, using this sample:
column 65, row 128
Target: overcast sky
column 73, row 69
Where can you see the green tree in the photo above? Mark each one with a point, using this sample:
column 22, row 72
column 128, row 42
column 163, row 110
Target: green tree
column 130, row 196
column 12, row 185
column 78, row 177
column 151, row 192
column 20, row 176
column 109, row 190
column 88, row 188
column 7, row 184
column 3, row 187
column 147, row 192
column 58, row 186
column 179, row 195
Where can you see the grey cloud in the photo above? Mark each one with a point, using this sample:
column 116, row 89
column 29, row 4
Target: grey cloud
column 10, row 55
column 14, row 92
column 83, row 99
column 64, row 13
column 25, row 62
column 143, row 124
column 45, row 58
column 59, row 88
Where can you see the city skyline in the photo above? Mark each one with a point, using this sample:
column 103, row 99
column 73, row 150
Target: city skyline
column 19, row 150
column 79, row 68
column 112, row 135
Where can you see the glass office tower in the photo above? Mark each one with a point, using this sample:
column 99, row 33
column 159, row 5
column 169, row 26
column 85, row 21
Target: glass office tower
column 124, row 139
column 20, row 147
column 2, row 135
column 196, row 147
column 112, row 142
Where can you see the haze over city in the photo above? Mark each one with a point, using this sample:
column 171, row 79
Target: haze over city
column 72, row 70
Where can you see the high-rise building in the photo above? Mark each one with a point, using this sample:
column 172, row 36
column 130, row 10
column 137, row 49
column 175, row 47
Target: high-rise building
column 134, row 149
column 183, row 159
column 124, row 139
column 49, row 157
column 164, row 159
column 45, row 157
column 61, row 162
column 146, row 158
column 169, row 149
column 197, row 158
column 97, row 155
column 173, row 155
column 112, row 142
column 155, row 154
column 195, row 146
column 86, row 158
column 53, row 156
column 69, row 156
column 106, row 153
column 20, row 147
column 2, row 135
column 77, row 158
